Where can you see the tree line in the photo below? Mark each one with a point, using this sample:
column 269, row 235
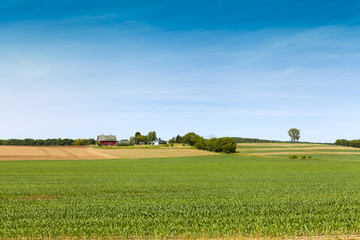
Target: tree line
column 253, row 140
column 225, row 144
column 150, row 137
column 48, row 142
column 294, row 134
column 350, row 143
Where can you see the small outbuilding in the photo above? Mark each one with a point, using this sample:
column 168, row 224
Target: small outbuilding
column 157, row 142
column 107, row 140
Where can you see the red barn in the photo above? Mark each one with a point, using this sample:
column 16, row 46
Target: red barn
column 108, row 140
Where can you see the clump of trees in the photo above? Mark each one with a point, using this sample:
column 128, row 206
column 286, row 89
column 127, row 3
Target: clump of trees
column 47, row 142
column 139, row 138
column 351, row 143
column 191, row 138
column 225, row 144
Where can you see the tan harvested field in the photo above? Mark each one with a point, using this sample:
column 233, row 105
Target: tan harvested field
column 154, row 153
column 73, row 153
column 49, row 153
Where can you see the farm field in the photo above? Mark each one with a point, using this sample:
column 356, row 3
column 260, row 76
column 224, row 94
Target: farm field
column 281, row 150
column 214, row 196
column 153, row 153
column 75, row 153
column 49, row 153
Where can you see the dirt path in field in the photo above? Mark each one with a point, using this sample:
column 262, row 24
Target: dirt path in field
column 8, row 153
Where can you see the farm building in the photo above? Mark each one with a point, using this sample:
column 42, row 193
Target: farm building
column 108, row 140
column 157, row 142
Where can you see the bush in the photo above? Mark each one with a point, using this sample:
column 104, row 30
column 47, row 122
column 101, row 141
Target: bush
column 290, row 156
column 309, row 157
column 228, row 145
column 295, row 156
column 303, row 157
column 201, row 144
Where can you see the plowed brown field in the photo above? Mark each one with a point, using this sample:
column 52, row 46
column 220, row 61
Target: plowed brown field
column 72, row 153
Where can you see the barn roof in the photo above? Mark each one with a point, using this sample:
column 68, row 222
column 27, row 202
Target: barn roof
column 106, row 138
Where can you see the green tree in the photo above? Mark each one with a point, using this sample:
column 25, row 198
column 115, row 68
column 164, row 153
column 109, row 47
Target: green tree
column 80, row 142
column 294, row 134
column 179, row 139
column 142, row 138
column 191, row 138
column 151, row 136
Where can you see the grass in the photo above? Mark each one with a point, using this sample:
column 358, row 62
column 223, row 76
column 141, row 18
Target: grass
column 327, row 157
column 207, row 196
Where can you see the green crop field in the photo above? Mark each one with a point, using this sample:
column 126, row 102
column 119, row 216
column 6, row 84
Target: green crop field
column 187, row 197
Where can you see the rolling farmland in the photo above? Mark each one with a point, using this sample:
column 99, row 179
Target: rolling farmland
column 8, row 153
column 215, row 196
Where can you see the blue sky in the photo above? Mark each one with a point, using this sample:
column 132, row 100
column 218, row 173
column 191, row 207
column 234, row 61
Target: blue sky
column 220, row 68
